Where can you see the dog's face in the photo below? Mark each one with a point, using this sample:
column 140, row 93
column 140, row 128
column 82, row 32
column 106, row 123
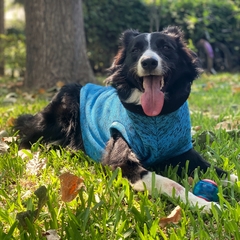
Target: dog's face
column 153, row 72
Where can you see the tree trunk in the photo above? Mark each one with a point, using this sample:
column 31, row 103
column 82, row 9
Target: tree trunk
column 56, row 47
column 1, row 41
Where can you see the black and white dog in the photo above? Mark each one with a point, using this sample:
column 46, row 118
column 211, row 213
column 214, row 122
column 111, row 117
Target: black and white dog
column 139, row 121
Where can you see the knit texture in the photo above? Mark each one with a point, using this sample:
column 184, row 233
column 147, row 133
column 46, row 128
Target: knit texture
column 152, row 139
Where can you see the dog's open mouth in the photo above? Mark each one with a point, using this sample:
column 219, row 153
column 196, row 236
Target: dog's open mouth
column 153, row 98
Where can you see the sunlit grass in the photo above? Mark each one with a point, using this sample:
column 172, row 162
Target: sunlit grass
column 108, row 208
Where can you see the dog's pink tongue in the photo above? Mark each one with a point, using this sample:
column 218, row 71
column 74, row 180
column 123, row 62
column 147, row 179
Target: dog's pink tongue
column 152, row 99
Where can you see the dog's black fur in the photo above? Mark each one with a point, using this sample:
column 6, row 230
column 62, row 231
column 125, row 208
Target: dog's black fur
column 59, row 121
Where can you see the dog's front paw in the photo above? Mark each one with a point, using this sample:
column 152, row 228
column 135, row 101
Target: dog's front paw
column 233, row 178
column 207, row 206
column 201, row 203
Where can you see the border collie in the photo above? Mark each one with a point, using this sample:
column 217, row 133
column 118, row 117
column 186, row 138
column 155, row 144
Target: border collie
column 140, row 121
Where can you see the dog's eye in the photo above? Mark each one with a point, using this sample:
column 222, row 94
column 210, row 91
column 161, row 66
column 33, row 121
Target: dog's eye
column 135, row 50
column 165, row 47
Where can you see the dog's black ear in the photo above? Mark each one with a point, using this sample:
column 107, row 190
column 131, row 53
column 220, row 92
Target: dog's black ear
column 189, row 58
column 195, row 60
column 125, row 39
column 173, row 31
column 127, row 36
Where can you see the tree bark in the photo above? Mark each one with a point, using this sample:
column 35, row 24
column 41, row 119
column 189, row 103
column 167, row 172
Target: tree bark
column 1, row 40
column 56, row 47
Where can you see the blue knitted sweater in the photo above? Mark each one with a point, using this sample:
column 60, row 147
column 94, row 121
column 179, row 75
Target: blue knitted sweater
column 152, row 139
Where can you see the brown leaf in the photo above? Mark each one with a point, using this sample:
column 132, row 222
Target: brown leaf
column 235, row 89
column 41, row 90
column 60, row 84
column 190, row 181
column 197, row 128
column 9, row 139
column 228, row 125
column 70, row 186
column 208, row 86
column 10, row 122
column 174, row 217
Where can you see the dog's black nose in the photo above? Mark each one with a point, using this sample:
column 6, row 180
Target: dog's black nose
column 149, row 63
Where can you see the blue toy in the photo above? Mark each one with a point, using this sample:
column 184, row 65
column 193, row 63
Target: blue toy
column 206, row 189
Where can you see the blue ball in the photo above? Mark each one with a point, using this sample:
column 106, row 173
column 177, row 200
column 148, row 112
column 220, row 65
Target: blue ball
column 206, row 189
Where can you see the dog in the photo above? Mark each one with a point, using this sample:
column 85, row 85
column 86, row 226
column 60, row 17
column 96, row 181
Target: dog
column 139, row 121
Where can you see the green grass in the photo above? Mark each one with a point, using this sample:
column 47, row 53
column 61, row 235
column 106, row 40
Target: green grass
column 108, row 208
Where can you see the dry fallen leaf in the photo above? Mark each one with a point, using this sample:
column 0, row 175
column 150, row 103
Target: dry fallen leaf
column 190, row 181
column 228, row 125
column 51, row 234
column 28, row 96
column 174, row 217
column 208, row 86
column 41, row 90
column 235, row 89
column 60, row 84
column 3, row 133
column 197, row 128
column 3, row 146
column 25, row 153
column 36, row 164
column 10, row 122
column 10, row 98
column 70, row 186
column 9, row 139
column 31, row 215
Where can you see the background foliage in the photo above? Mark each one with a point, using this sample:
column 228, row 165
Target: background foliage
column 108, row 208
column 105, row 20
column 15, row 52
column 216, row 20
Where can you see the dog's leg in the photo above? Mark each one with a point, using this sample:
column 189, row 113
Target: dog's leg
column 57, row 123
column 172, row 189
column 118, row 154
column 195, row 161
